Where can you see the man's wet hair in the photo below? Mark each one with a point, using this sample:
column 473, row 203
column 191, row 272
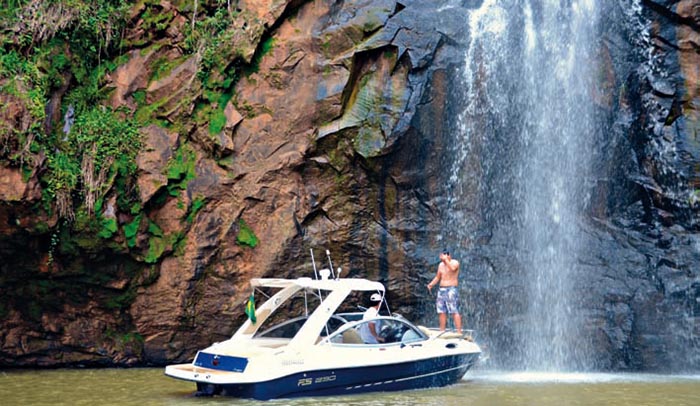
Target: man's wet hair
column 446, row 252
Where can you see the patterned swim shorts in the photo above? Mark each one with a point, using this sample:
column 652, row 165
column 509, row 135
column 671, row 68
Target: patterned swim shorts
column 448, row 300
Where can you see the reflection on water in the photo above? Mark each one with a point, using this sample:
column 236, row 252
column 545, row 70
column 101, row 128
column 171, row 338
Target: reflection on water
column 149, row 387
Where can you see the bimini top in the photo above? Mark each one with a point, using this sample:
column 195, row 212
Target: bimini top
column 323, row 284
column 336, row 290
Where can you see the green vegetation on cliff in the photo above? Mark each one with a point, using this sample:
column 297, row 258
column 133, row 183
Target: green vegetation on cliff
column 53, row 60
column 246, row 236
column 58, row 60
column 73, row 129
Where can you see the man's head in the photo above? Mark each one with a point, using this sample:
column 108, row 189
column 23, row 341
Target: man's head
column 445, row 253
column 375, row 299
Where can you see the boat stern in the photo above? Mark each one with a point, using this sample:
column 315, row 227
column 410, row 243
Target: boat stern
column 209, row 369
column 182, row 371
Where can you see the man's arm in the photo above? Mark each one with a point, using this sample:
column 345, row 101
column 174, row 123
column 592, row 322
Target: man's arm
column 452, row 265
column 435, row 280
column 373, row 331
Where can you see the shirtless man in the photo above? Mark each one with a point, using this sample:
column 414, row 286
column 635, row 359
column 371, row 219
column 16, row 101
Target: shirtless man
column 448, row 295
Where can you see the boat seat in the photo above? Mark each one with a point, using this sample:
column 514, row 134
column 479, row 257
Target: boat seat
column 350, row 336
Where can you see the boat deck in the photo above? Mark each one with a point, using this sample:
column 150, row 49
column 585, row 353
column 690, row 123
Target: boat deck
column 199, row 370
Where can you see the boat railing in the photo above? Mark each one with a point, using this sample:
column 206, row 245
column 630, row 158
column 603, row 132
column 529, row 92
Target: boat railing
column 436, row 333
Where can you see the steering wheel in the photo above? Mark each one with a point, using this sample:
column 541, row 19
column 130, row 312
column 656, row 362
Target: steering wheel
column 388, row 334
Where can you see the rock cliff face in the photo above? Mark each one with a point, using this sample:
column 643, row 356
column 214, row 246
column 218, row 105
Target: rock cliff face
column 326, row 125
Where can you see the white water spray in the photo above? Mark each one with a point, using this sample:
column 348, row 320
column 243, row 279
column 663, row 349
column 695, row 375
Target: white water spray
column 523, row 159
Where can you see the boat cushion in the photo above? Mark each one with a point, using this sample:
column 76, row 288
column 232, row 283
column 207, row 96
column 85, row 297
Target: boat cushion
column 350, row 336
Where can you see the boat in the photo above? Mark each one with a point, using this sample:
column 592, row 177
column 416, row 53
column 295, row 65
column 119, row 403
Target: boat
column 304, row 341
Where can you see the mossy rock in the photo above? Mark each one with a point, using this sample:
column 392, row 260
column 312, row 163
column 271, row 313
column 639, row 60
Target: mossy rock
column 246, row 236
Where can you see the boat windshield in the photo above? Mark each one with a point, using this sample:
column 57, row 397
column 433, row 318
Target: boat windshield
column 391, row 330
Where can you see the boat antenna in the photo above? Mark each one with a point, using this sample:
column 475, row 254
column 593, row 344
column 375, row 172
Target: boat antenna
column 320, row 296
column 313, row 262
column 330, row 263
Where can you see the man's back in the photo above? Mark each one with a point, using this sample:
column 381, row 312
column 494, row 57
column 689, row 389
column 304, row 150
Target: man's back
column 365, row 332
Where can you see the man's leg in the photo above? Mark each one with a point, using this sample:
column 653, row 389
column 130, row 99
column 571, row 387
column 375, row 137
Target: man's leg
column 452, row 305
column 442, row 309
column 458, row 322
column 443, row 320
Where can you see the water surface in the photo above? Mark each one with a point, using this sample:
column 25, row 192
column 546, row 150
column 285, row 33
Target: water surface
column 149, row 387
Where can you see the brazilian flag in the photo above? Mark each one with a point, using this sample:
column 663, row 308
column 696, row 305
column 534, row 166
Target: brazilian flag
column 250, row 309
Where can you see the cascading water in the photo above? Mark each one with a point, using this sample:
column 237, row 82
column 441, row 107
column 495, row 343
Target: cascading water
column 523, row 161
column 557, row 131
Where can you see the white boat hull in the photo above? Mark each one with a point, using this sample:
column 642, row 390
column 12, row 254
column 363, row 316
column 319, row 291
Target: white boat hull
column 426, row 373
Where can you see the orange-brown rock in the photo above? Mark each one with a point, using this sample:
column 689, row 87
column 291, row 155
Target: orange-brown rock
column 130, row 77
column 314, row 125
column 689, row 59
column 153, row 160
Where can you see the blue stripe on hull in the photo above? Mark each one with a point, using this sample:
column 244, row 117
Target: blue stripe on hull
column 410, row 375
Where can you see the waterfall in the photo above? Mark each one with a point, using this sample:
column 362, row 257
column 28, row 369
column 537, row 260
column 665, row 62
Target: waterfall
column 524, row 147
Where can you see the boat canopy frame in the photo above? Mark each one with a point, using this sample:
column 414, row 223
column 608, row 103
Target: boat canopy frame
column 337, row 291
